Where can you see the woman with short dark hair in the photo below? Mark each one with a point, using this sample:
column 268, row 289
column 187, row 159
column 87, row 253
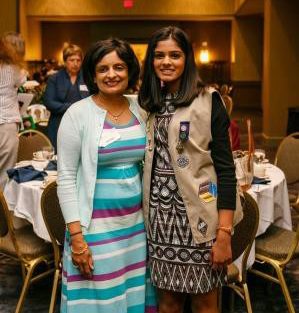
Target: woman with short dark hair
column 101, row 142
column 189, row 184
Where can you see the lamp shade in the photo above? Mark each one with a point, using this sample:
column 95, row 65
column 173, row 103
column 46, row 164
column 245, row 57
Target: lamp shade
column 204, row 55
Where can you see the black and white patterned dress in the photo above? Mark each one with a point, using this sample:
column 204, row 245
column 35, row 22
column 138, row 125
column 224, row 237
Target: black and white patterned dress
column 177, row 263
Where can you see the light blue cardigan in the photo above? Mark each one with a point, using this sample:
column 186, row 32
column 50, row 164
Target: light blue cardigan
column 78, row 140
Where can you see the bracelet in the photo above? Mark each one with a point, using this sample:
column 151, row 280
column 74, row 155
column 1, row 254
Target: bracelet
column 82, row 251
column 76, row 233
column 228, row 230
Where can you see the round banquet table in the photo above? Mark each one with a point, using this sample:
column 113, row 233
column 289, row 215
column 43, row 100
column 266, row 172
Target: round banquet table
column 273, row 203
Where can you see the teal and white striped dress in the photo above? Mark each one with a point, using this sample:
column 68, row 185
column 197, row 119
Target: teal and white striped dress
column 116, row 235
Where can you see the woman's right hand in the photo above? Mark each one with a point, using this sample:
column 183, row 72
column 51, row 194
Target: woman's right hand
column 83, row 261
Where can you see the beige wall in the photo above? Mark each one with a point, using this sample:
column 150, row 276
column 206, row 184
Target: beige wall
column 8, row 16
column 216, row 34
column 54, row 34
column 141, row 8
column 247, row 49
column 281, row 65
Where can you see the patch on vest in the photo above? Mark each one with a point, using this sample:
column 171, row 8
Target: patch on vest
column 207, row 191
column 182, row 161
column 202, row 226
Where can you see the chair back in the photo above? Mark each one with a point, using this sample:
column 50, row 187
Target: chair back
column 6, row 225
column 245, row 231
column 31, row 141
column 52, row 215
column 228, row 101
column 4, row 228
column 287, row 156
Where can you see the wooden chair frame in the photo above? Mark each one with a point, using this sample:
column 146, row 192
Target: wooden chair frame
column 57, row 239
column 294, row 203
column 240, row 285
column 28, row 263
column 279, row 265
column 31, row 132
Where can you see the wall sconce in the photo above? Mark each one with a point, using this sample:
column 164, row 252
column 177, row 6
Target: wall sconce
column 204, row 56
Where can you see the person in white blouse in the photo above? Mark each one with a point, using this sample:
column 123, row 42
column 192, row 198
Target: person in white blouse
column 12, row 75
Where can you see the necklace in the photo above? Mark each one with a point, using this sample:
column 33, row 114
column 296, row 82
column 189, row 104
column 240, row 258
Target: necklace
column 116, row 116
column 113, row 115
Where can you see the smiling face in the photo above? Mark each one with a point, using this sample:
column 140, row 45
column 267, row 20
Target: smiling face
column 111, row 75
column 73, row 64
column 169, row 63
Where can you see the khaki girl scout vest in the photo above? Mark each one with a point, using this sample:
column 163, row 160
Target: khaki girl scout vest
column 193, row 167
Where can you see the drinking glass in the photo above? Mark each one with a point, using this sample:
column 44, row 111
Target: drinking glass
column 48, row 152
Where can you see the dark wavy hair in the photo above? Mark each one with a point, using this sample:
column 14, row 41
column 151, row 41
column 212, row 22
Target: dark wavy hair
column 151, row 93
column 98, row 50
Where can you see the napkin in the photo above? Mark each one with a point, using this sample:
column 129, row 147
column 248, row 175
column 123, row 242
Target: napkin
column 52, row 166
column 260, row 181
column 26, row 173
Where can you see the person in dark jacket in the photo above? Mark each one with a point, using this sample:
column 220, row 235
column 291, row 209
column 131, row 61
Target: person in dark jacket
column 64, row 88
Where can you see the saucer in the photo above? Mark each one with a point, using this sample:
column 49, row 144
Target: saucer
column 40, row 160
column 51, row 173
column 262, row 177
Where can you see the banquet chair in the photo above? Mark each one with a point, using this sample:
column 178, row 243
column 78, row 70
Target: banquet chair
column 55, row 224
column 228, row 101
column 24, row 246
column 287, row 160
column 242, row 240
column 276, row 248
column 31, row 141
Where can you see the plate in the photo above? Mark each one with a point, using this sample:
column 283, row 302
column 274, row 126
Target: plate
column 51, row 173
column 23, row 163
column 40, row 160
column 262, row 177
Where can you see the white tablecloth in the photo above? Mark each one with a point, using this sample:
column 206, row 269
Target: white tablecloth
column 273, row 203
column 272, row 199
column 24, row 200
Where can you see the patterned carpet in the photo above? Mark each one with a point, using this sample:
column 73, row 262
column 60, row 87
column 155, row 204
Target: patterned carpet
column 265, row 297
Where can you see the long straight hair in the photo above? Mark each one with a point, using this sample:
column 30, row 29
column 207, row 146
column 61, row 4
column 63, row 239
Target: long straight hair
column 151, row 92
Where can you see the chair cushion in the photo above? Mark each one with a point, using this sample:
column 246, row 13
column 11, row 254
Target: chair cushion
column 232, row 274
column 30, row 245
column 275, row 243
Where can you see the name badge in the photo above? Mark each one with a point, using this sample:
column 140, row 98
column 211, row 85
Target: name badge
column 83, row 88
column 109, row 137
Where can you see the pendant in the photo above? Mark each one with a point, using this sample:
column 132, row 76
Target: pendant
column 180, row 147
column 182, row 161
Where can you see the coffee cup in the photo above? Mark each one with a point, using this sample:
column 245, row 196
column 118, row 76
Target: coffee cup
column 259, row 170
column 38, row 155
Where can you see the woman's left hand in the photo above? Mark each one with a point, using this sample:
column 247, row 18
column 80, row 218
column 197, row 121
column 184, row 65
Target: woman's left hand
column 221, row 254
